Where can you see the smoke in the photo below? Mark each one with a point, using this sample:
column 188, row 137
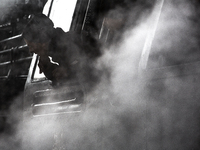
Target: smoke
column 177, row 35
column 7, row 6
column 9, row 135
column 127, row 110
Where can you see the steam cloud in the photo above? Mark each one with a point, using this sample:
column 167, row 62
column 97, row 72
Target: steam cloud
column 127, row 111
column 6, row 7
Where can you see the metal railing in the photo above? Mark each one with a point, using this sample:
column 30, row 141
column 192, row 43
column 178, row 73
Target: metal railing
column 11, row 57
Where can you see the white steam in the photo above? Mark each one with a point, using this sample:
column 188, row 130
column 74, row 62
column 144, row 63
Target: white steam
column 129, row 112
column 6, row 7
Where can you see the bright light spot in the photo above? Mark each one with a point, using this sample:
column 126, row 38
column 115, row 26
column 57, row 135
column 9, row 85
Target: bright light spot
column 61, row 13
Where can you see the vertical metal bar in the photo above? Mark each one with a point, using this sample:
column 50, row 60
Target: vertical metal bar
column 12, row 63
column 86, row 14
column 11, row 55
column 102, row 28
column 145, row 57
column 50, row 8
column 150, row 37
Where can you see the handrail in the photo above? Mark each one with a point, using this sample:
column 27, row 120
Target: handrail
column 19, row 76
column 23, row 59
column 5, row 25
column 13, row 60
column 17, row 60
column 13, row 48
column 5, row 63
column 11, row 38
